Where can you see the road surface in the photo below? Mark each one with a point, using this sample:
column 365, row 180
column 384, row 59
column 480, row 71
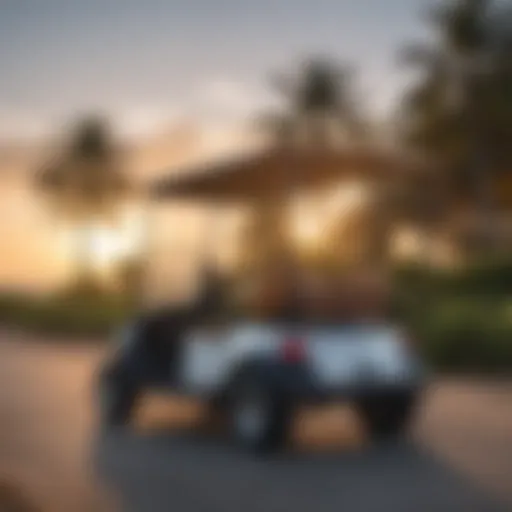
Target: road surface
column 458, row 458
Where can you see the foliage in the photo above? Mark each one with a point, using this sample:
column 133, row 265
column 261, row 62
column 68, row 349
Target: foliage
column 81, row 315
column 86, row 180
column 320, row 91
column 460, row 111
column 85, row 184
column 461, row 318
column 467, row 334
column 488, row 277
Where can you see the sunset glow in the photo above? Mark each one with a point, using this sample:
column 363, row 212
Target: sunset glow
column 311, row 217
column 104, row 245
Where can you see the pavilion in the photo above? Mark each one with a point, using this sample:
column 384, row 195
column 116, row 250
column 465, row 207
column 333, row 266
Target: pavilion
column 266, row 180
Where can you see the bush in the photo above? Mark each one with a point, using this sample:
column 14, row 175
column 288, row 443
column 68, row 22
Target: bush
column 466, row 335
column 487, row 278
column 462, row 318
column 65, row 315
column 492, row 277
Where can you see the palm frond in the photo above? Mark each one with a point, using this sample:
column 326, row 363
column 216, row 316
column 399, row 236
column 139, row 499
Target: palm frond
column 87, row 178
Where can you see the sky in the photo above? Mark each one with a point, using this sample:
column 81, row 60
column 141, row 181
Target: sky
column 148, row 62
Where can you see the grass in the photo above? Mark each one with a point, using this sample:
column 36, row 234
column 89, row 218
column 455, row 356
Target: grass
column 65, row 315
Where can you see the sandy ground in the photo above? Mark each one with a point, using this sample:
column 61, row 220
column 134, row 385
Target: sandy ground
column 460, row 454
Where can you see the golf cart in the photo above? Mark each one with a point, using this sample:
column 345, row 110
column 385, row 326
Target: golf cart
column 292, row 342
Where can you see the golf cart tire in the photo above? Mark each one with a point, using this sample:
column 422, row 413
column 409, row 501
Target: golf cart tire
column 387, row 418
column 273, row 436
column 118, row 409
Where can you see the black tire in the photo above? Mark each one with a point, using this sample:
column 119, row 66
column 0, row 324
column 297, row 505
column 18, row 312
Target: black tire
column 215, row 418
column 387, row 417
column 270, row 432
column 116, row 401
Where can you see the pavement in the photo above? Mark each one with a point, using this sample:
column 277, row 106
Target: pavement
column 458, row 458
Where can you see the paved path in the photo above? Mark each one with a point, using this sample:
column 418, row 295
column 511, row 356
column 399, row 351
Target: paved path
column 459, row 458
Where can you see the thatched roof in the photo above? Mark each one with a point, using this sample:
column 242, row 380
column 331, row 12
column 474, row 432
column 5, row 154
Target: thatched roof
column 276, row 171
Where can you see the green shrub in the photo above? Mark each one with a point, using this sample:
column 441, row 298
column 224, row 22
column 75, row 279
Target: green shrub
column 462, row 317
column 466, row 334
column 482, row 278
column 65, row 315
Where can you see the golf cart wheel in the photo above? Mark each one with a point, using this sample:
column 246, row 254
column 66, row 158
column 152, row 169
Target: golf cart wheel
column 259, row 420
column 116, row 401
column 214, row 418
column 387, row 417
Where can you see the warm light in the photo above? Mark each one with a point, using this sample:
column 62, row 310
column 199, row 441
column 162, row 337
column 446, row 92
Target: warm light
column 407, row 243
column 312, row 218
column 347, row 197
column 303, row 222
column 106, row 247
column 307, row 229
column 103, row 246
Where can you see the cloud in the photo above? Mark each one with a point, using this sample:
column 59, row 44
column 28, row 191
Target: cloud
column 224, row 99
column 141, row 121
column 216, row 102
column 22, row 124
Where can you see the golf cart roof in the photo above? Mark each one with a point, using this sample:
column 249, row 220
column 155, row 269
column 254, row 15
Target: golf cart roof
column 276, row 171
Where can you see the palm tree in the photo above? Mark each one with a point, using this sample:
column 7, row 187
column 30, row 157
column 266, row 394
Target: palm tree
column 321, row 107
column 85, row 184
column 319, row 96
column 460, row 112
